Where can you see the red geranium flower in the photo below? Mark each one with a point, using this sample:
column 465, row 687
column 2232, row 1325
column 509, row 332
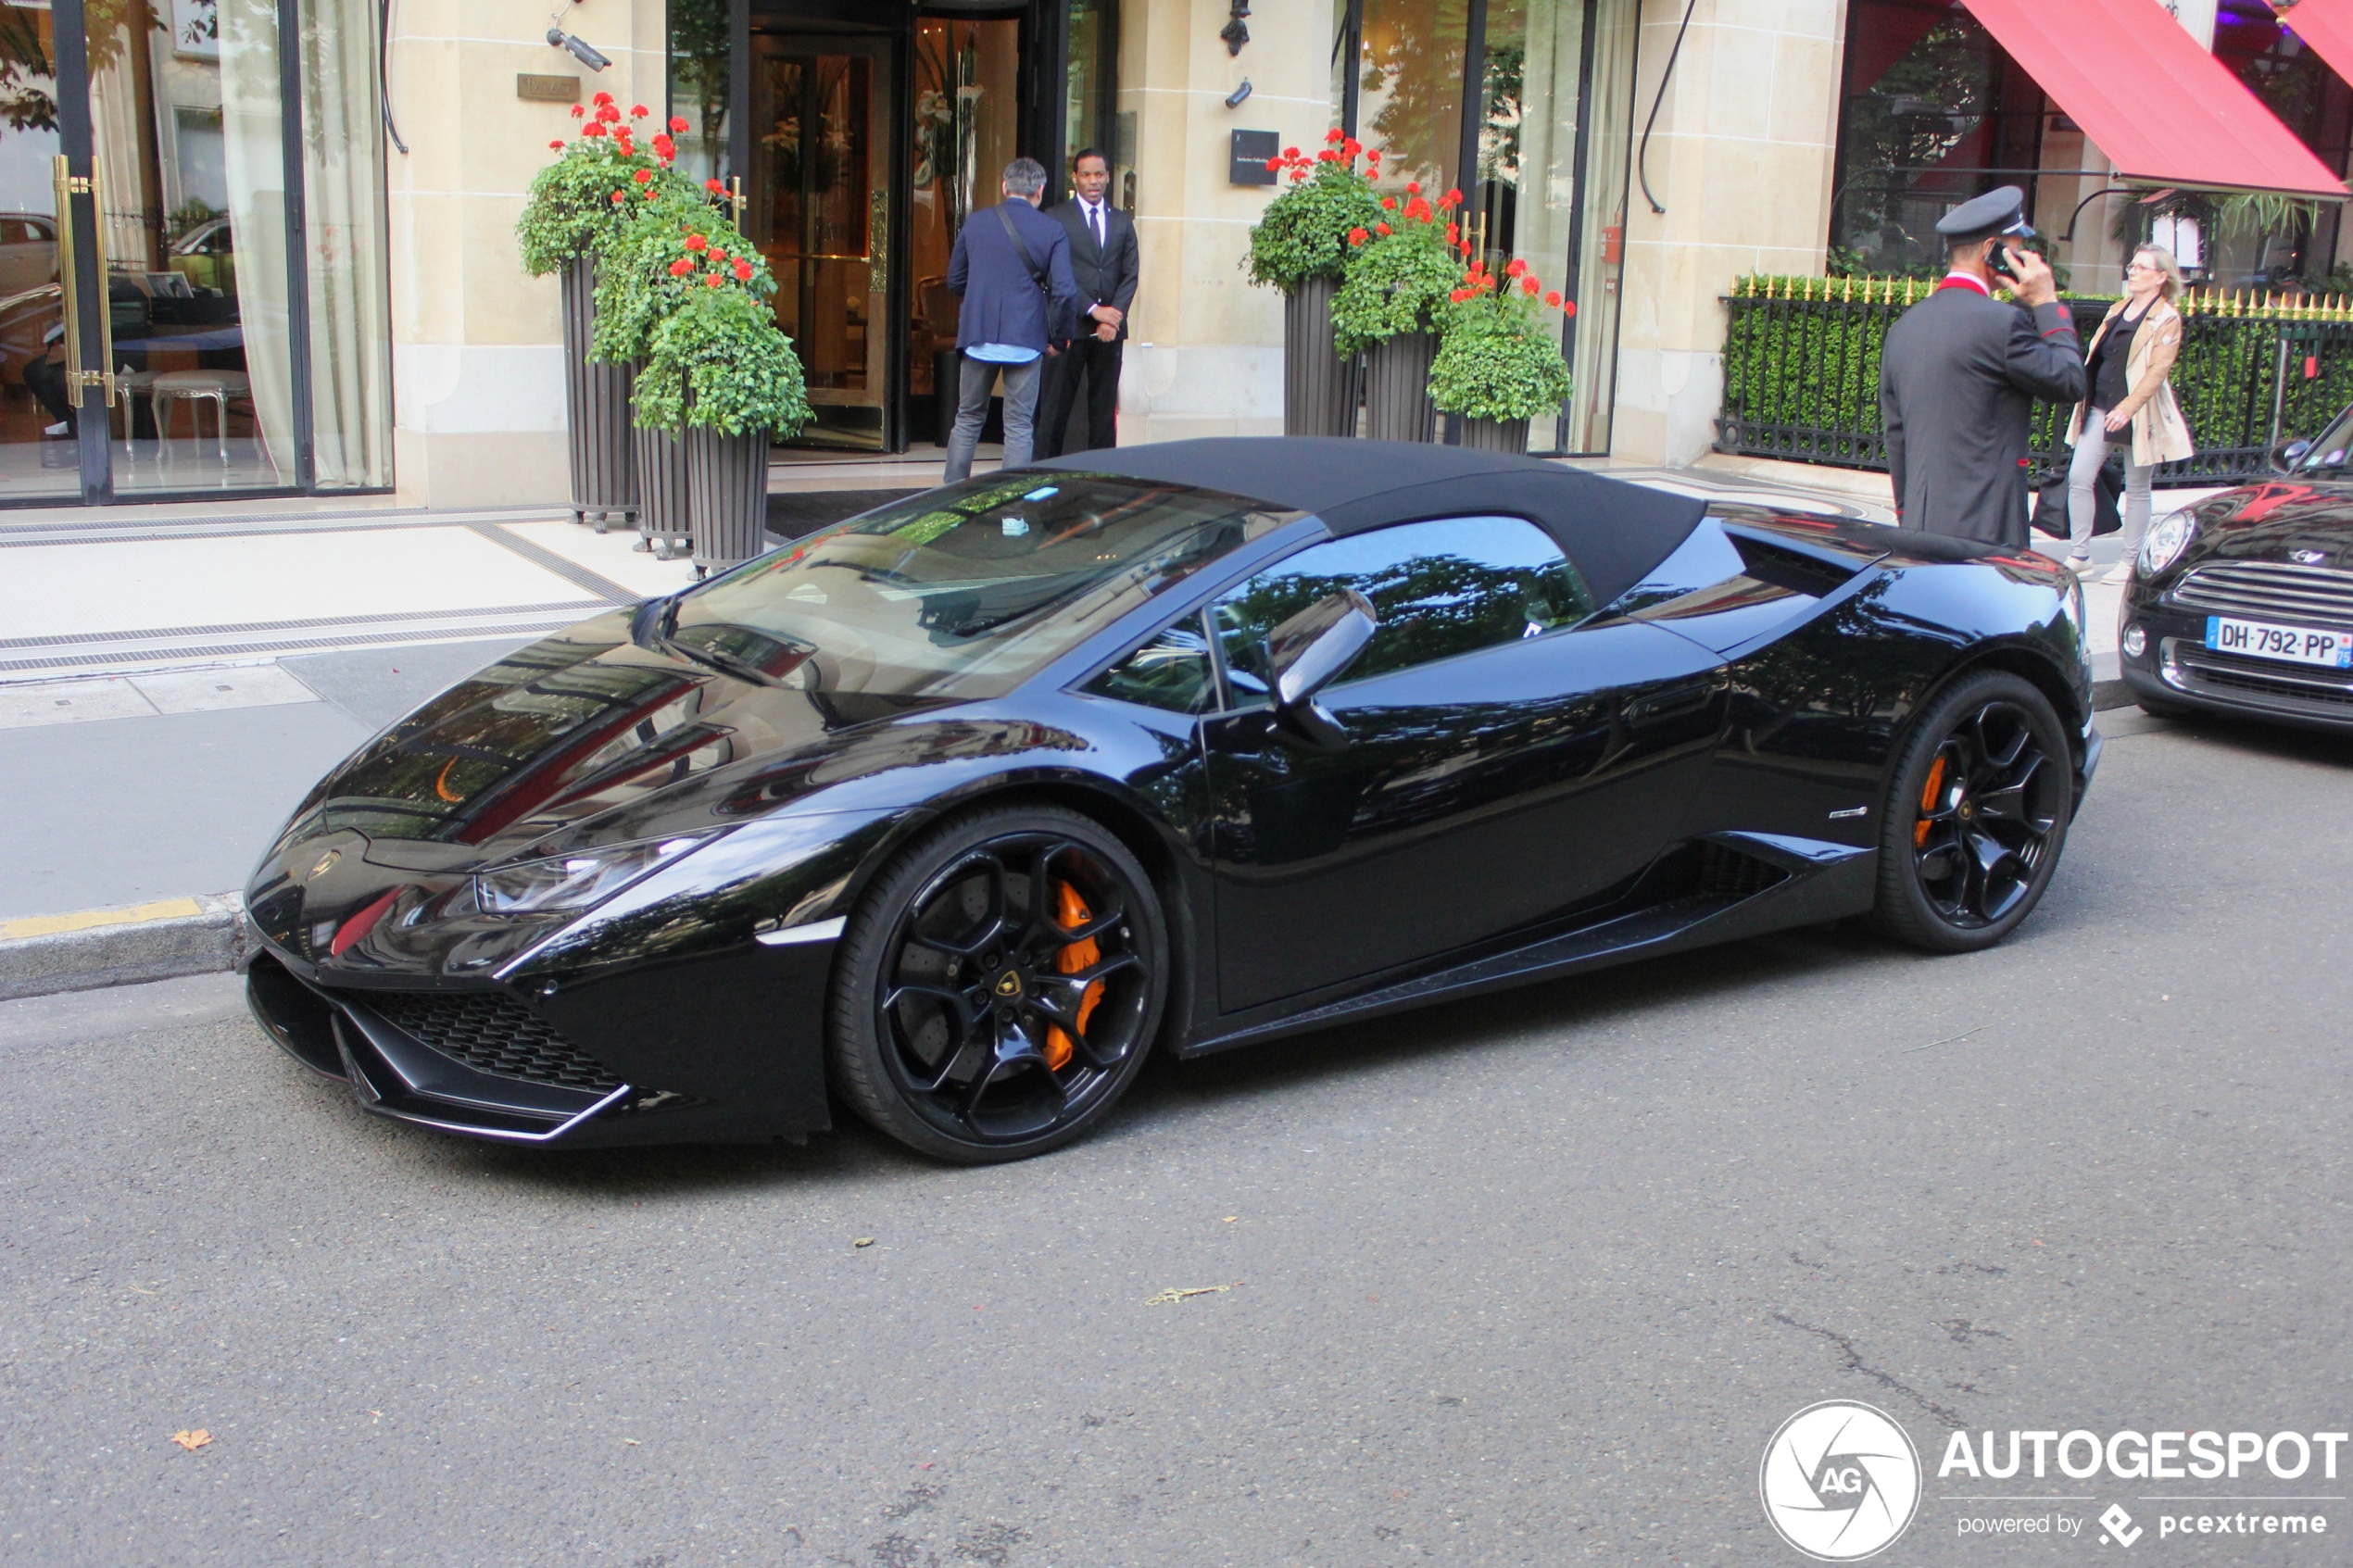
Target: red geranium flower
column 592, row 128
column 1459, row 295
column 697, row 242
column 1335, row 134
column 743, row 271
column 1413, row 187
column 577, row 111
column 1357, row 236
column 601, row 98
column 556, row 145
column 1553, row 299
column 620, row 197
column 638, row 111
column 1569, row 307
column 681, row 266
column 678, row 122
column 714, row 187
column 644, row 176
column 1383, row 228
column 1452, row 198
column 712, row 279
column 1352, row 146
column 1529, row 286
column 1372, row 155
column 1389, row 202
column 1291, row 152
column 1516, row 267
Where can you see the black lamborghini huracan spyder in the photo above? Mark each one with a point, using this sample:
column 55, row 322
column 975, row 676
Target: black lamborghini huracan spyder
column 959, row 808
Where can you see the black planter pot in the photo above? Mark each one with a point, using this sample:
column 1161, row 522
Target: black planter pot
column 1320, row 389
column 1397, row 405
column 665, row 521
column 1496, row 436
column 727, row 496
column 604, row 467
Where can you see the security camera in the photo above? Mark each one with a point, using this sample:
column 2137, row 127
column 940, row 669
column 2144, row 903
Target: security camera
column 584, row 53
column 1234, row 99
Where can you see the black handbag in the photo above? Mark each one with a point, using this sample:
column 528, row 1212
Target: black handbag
column 2050, row 505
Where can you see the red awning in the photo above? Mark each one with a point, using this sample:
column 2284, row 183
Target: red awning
column 2327, row 26
column 2160, row 107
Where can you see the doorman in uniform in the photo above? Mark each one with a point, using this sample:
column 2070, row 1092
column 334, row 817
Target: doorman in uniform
column 1959, row 373
column 1102, row 260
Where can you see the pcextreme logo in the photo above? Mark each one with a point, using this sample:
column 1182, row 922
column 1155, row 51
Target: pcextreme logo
column 1840, row 1481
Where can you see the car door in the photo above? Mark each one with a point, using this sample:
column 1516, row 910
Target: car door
column 1504, row 761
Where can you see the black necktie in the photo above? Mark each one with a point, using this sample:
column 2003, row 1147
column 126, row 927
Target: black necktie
column 1095, row 222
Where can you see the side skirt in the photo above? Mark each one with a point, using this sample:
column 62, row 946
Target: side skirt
column 1818, row 882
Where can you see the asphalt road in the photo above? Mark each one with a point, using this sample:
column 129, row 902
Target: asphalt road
column 1528, row 1281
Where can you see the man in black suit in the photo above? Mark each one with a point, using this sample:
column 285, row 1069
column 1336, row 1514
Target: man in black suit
column 1959, row 373
column 1102, row 260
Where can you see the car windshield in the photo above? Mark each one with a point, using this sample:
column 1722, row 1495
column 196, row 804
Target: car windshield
column 2332, row 452
column 964, row 593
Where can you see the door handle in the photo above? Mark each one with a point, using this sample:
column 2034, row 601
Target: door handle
column 78, row 380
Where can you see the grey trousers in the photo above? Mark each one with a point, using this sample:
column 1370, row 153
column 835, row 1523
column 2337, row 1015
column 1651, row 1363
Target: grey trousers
column 2083, row 476
column 973, row 387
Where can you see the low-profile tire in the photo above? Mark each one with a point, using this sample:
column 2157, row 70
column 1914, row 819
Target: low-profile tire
column 1976, row 818
column 999, row 986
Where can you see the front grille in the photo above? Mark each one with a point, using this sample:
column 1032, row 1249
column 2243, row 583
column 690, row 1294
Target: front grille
column 2203, row 672
column 2268, row 590
column 491, row 1031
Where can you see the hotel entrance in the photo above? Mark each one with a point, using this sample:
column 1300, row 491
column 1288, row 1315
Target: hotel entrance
column 863, row 144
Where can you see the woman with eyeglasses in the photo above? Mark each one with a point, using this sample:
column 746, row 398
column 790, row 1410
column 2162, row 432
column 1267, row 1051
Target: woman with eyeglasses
column 2126, row 367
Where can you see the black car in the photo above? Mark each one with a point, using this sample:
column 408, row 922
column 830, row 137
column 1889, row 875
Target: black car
column 2242, row 603
column 955, row 810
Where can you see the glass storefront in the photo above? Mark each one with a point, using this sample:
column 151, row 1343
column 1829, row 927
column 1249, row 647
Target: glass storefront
column 169, row 322
column 1549, row 123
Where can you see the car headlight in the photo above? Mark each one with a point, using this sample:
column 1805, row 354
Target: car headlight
column 2165, row 542
column 580, row 879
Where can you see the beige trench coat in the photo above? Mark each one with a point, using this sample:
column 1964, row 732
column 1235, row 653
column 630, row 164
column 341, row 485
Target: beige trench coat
column 2160, row 433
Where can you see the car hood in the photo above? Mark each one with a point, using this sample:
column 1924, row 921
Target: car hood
column 585, row 738
column 2289, row 520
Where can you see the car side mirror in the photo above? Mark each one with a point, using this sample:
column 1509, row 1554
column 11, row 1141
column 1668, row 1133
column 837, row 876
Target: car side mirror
column 1309, row 652
column 2286, row 457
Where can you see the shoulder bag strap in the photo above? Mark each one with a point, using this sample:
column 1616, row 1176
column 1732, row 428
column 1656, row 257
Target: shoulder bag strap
column 1029, row 262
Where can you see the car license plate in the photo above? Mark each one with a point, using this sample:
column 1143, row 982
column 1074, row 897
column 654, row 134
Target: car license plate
column 2299, row 644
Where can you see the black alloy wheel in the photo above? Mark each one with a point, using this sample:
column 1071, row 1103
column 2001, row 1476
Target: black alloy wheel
column 999, row 986
column 1977, row 815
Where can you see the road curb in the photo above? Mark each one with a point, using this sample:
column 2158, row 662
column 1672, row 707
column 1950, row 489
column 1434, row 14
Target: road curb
column 2111, row 693
column 97, row 947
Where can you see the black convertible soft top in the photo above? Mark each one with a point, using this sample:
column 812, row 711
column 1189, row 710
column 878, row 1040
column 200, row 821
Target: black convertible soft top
column 1615, row 532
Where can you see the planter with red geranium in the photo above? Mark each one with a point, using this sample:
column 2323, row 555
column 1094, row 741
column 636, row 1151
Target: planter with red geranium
column 1299, row 245
column 1499, row 362
column 1399, row 273
column 576, row 206
column 683, row 296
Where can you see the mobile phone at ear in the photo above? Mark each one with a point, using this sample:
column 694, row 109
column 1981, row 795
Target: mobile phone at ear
column 1998, row 261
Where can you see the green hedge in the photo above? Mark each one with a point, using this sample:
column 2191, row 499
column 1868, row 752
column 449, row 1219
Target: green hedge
column 1801, row 374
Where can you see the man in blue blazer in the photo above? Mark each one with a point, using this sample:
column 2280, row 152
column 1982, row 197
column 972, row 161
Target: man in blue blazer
column 1011, row 269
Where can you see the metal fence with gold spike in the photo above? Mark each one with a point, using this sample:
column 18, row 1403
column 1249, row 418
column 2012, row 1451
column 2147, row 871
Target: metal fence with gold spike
column 1801, row 372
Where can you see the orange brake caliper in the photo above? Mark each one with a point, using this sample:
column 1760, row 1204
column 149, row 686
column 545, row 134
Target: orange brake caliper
column 1927, row 803
column 1071, row 912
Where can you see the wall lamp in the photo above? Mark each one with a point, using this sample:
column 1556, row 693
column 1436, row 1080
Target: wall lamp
column 1236, row 32
column 571, row 44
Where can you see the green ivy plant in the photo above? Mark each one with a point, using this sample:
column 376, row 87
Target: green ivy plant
column 1497, row 359
column 580, row 203
column 1303, row 232
column 719, row 362
column 672, row 248
column 1397, row 276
